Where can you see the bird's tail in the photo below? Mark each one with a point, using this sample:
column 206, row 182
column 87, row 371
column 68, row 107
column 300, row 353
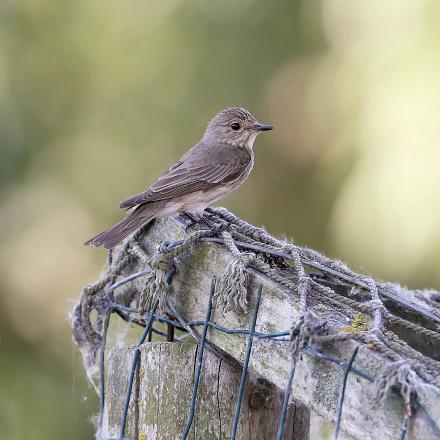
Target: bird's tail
column 114, row 235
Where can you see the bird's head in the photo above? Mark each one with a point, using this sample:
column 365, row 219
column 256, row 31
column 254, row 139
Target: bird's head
column 235, row 126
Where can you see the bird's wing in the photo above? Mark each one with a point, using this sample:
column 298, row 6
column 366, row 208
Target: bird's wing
column 189, row 176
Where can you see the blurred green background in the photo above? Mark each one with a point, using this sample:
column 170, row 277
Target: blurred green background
column 98, row 98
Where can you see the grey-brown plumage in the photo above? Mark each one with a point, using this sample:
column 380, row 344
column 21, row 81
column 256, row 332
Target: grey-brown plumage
column 209, row 171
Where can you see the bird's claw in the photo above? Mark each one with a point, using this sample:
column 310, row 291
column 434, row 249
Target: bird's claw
column 215, row 228
column 192, row 221
column 218, row 228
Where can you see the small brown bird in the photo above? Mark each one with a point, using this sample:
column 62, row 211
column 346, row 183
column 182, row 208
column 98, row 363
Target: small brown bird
column 209, row 171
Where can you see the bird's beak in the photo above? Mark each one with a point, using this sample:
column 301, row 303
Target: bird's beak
column 263, row 127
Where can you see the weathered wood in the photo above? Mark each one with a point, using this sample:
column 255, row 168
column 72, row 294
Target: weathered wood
column 316, row 383
column 161, row 399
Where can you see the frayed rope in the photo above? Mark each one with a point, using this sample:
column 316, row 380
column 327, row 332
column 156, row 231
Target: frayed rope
column 399, row 375
column 232, row 288
column 231, row 291
column 156, row 285
column 303, row 330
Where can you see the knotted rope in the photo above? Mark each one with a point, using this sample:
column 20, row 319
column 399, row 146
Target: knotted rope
column 156, row 285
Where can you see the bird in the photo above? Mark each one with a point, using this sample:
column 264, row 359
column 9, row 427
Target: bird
column 217, row 165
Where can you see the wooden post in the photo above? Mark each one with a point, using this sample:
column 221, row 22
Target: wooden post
column 159, row 408
column 161, row 398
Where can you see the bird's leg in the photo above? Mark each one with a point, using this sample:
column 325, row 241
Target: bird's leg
column 201, row 219
column 197, row 218
column 208, row 223
column 215, row 228
column 192, row 218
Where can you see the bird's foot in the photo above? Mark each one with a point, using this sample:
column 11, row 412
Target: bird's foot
column 219, row 228
column 193, row 220
column 215, row 228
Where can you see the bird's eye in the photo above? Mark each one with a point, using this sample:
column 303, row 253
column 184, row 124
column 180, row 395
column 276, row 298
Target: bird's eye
column 235, row 126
